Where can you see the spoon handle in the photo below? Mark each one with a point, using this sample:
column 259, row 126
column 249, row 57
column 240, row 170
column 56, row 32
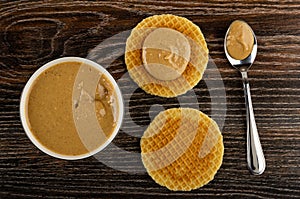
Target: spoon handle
column 255, row 157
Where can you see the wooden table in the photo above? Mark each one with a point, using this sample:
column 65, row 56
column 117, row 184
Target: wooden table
column 33, row 33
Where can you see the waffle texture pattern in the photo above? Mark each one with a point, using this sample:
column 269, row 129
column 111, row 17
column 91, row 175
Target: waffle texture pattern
column 182, row 149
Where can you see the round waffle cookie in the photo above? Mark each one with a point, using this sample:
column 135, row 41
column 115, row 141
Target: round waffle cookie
column 182, row 149
column 192, row 73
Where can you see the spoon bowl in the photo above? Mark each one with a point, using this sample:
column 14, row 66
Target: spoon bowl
column 255, row 157
column 245, row 64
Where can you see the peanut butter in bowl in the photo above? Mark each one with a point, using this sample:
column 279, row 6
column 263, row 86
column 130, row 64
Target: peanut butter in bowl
column 71, row 108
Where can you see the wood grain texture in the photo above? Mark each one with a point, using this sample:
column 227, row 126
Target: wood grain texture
column 35, row 32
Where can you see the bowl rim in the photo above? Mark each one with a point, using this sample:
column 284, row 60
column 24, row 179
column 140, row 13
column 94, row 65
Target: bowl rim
column 24, row 100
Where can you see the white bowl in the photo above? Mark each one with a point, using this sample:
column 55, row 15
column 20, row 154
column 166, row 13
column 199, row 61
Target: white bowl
column 24, row 103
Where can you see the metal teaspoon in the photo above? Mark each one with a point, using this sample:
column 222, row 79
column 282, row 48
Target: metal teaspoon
column 255, row 157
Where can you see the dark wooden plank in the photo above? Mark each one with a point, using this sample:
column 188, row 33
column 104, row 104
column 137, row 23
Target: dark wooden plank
column 35, row 32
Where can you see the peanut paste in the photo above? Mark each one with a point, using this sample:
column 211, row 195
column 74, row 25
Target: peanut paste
column 240, row 40
column 166, row 53
column 51, row 107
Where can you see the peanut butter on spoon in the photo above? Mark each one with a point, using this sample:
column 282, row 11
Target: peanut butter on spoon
column 166, row 53
column 240, row 40
column 242, row 37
